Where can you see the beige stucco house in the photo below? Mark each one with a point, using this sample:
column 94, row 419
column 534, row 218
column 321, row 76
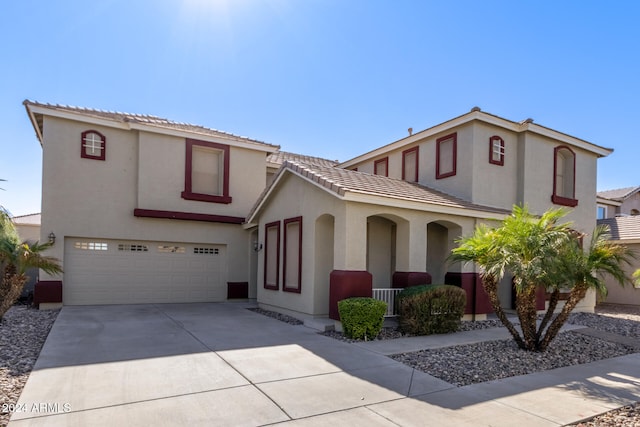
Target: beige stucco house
column 619, row 202
column 149, row 210
column 624, row 230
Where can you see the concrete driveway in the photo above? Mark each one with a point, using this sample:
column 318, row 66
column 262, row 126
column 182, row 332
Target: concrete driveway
column 220, row 364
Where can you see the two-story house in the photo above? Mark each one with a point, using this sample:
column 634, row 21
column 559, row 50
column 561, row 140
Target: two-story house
column 150, row 210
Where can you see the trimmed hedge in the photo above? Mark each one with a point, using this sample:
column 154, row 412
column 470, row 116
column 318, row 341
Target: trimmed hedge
column 361, row 318
column 430, row 309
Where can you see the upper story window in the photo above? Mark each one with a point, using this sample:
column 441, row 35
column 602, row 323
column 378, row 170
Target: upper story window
column 206, row 176
column 410, row 164
column 446, row 154
column 381, row 167
column 564, row 178
column 602, row 212
column 93, row 145
column 496, row 150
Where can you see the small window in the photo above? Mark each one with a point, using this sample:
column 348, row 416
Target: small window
column 132, row 248
column 446, row 152
column 292, row 265
column 272, row 255
column 410, row 164
column 206, row 172
column 635, row 212
column 206, row 251
column 496, row 150
column 564, row 178
column 381, row 167
column 91, row 246
column 93, row 145
column 602, row 212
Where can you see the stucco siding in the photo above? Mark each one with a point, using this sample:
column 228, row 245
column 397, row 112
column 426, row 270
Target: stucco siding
column 96, row 199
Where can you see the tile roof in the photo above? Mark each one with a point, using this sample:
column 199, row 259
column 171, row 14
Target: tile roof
column 618, row 194
column 279, row 157
column 144, row 119
column 31, row 219
column 623, row 227
column 341, row 181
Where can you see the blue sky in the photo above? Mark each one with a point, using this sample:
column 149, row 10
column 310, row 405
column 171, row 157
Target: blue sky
column 331, row 78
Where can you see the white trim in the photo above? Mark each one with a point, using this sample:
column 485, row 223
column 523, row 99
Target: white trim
column 486, row 118
column 373, row 199
column 158, row 129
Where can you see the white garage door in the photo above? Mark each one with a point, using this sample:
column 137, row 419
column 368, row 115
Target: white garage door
column 100, row 271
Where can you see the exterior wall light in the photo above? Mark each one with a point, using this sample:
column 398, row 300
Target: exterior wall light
column 52, row 238
column 257, row 247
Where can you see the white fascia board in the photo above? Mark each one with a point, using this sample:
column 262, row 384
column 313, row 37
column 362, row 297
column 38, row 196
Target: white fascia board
column 263, row 198
column 34, row 123
column 571, row 140
column 205, row 137
column 78, row 117
column 603, row 201
column 353, row 196
column 486, row 118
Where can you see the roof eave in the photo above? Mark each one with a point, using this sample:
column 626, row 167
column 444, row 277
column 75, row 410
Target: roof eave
column 473, row 115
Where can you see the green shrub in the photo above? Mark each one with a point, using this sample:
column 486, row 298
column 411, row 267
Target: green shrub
column 361, row 318
column 430, row 309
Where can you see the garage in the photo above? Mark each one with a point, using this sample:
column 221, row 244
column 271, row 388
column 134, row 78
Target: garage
column 103, row 271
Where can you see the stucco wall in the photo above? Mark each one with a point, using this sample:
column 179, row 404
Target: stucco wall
column 90, row 198
column 628, row 294
column 350, row 224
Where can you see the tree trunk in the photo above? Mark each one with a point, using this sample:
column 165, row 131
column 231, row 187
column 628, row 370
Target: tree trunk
column 526, row 309
column 490, row 286
column 577, row 293
column 10, row 290
column 553, row 303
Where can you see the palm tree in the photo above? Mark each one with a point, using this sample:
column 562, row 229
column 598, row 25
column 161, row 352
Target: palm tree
column 540, row 251
column 15, row 258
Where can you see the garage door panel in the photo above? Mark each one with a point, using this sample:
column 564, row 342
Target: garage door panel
column 122, row 272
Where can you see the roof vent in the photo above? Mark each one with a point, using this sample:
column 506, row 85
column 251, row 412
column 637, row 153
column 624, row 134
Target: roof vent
column 410, row 130
column 476, row 108
column 529, row 120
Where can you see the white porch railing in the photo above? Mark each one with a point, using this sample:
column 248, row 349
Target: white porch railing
column 387, row 295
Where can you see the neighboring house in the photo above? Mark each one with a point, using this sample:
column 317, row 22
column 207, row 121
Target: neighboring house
column 623, row 201
column 28, row 227
column 149, row 210
column 624, row 230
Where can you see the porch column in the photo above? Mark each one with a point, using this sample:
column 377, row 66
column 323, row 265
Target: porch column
column 411, row 253
column 349, row 277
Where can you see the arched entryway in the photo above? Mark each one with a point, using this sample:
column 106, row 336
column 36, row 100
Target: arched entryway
column 441, row 237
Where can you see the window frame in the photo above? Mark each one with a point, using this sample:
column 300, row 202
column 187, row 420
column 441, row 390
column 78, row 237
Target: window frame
column 272, row 286
column 384, row 160
column 439, row 141
column 604, row 211
column 103, row 149
column 298, row 288
column 415, row 150
column 188, row 193
column 562, row 199
column 500, row 141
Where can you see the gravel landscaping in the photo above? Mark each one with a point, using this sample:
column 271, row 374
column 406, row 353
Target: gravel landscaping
column 22, row 333
column 24, row 330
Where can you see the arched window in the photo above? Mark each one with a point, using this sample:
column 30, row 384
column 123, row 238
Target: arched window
column 564, row 178
column 93, row 145
column 635, row 212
